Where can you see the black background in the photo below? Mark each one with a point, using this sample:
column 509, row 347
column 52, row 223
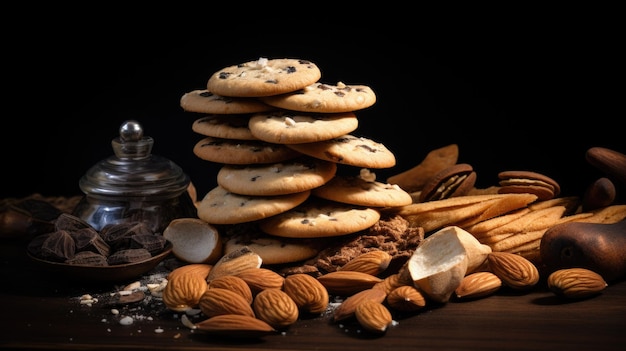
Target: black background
column 528, row 90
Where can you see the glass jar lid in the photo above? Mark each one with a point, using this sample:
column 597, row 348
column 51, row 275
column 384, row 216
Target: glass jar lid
column 133, row 171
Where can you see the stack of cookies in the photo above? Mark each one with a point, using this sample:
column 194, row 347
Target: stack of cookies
column 281, row 136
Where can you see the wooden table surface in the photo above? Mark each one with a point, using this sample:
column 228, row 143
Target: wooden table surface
column 41, row 311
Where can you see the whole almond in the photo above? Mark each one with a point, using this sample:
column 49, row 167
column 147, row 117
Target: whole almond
column 478, row 284
column 233, row 283
column 236, row 325
column 371, row 262
column 307, row 292
column 406, row 298
column 373, row 316
column 576, row 283
column 347, row 308
column 185, row 287
column 514, row 270
column 261, row 278
column 235, row 262
column 275, row 307
column 346, row 283
column 218, row 301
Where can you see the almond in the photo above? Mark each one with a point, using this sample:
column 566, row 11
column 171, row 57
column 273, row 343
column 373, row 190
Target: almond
column 478, row 284
column 394, row 281
column 185, row 287
column 307, row 292
column 406, row 298
column 576, row 283
column 275, row 307
column 261, row 278
column 514, row 270
column 218, row 301
column 373, row 316
column 233, row 283
column 348, row 306
column 237, row 325
column 235, row 262
column 346, row 283
column 371, row 262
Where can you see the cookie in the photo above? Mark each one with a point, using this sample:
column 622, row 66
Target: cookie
column 272, row 249
column 349, row 150
column 264, row 77
column 358, row 190
column 233, row 126
column 204, row 101
column 232, row 151
column 290, row 127
column 291, row 176
column 219, row 206
column 319, row 218
column 325, row 98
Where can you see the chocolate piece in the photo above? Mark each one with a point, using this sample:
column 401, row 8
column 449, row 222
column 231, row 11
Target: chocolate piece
column 128, row 256
column 154, row 243
column 119, row 235
column 88, row 258
column 88, row 239
column 58, row 246
column 70, row 223
column 27, row 217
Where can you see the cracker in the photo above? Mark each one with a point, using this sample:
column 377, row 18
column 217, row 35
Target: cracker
column 325, row 98
column 289, row 127
column 264, row 77
column 413, row 179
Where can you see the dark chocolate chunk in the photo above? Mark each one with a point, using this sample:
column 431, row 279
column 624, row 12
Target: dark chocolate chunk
column 69, row 222
column 118, row 235
column 154, row 243
column 88, row 258
column 128, row 256
column 88, row 239
column 59, row 246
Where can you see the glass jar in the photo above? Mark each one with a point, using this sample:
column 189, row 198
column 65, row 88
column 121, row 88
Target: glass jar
column 134, row 185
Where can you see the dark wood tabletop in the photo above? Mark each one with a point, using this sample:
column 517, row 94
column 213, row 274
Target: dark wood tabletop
column 43, row 311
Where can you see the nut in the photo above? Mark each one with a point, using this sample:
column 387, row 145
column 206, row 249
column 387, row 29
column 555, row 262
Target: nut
column 478, row 284
column 185, row 287
column 275, row 307
column 348, row 306
column 233, row 283
column 514, row 270
column 259, row 279
column 406, row 298
column 373, row 316
column 372, row 262
column 576, row 283
column 346, row 283
column 235, row 262
column 235, row 325
column 218, row 301
column 307, row 292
